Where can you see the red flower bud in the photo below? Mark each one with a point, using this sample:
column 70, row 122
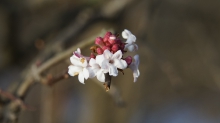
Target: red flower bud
column 107, row 44
column 115, row 48
column 112, row 39
column 106, row 37
column 92, row 55
column 99, row 41
column 105, row 47
column 99, row 51
column 128, row 60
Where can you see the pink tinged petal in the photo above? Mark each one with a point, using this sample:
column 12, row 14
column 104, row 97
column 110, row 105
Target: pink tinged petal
column 119, row 63
column 91, row 72
column 81, row 78
column 100, row 76
column 100, row 59
column 113, row 70
column 117, row 55
column 74, row 70
column 107, row 54
column 85, row 73
column 77, row 53
column 78, row 50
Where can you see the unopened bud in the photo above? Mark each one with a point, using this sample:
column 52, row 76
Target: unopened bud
column 128, row 60
column 107, row 44
column 99, row 41
column 99, row 51
column 106, row 37
column 112, row 39
column 105, row 47
column 115, row 48
column 92, row 55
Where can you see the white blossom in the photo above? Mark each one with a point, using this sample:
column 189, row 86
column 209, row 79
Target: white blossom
column 80, row 67
column 99, row 72
column 131, row 39
column 110, row 62
column 134, row 67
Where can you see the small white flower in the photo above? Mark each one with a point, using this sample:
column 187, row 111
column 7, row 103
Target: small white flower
column 110, row 62
column 134, row 67
column 80, row 67
column 130, row 46
column 99, row 72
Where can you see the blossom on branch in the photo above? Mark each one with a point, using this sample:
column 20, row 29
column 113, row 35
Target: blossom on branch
column 106, row 59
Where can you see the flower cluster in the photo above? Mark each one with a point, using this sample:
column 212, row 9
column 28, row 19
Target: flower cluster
column 107, row 58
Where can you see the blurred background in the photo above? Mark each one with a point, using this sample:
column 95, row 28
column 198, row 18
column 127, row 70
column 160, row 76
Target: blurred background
column 179, row 52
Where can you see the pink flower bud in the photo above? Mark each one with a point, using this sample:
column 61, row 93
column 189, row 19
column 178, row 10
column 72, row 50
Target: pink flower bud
column 99, row 41
column 105, row 47
column 115, row 48
column 99, row 51
column 92, row 55
column 112, row 39
column 106, row 37
column 107, row 44
column 128, row 60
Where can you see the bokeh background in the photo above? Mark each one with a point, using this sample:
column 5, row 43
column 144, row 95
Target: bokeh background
column 179, row 48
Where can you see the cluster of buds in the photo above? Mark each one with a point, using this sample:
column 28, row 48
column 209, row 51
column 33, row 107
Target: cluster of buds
column 106, row 59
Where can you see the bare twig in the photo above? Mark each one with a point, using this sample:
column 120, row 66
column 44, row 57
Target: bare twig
column 15, row 99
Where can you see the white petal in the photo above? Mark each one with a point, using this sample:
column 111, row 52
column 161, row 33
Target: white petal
column 137, row 61
column 81, row 77
column 107, row 54
column 134, row 67
column 91, row 72
column 92, row 62
column 119, row 63
column 100, row 76
column 131, row 48
column 75, row 61
column 100, row 59
column 105, row 64
column 136, row 74
column 78, row 50
column 117, row 55
column 135, row 79
column 131, row 39
column 126, row 33
column 113, row 70
column 74, row 70
column 85, row 73
column 95, row 68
